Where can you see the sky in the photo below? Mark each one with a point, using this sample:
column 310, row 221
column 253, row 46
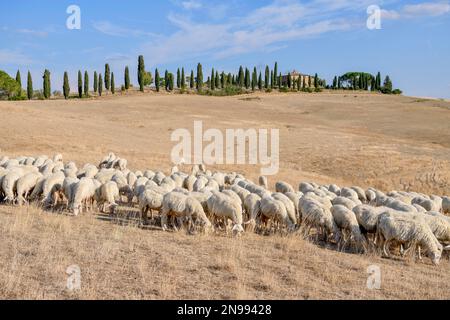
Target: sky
column 328, row 37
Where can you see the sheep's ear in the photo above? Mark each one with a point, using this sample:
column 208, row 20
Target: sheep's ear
column 447, row 248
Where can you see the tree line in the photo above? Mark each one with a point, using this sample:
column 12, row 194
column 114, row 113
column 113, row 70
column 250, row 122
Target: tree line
column 217, row 82
column 364, row 81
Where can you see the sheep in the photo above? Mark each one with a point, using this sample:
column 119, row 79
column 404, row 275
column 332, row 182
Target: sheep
column 276, row 210
column 150, row 199
column 398, row 205
column 241, row 192
column 427, row 204
column 360, row 193
column 295, row 197
column 182, row 206
column 283, row 187
column 305, row 187
column 335, row 189
column 349, row 193
column 252, row 206
column 83, row 191
column 106, row 196
column 149, row 174
column 345, row 220
column 405, row 230
column 371, row 196
column 51, row 186
column 263, row 182
column 25, row 184
column 446, row 204
column 9, row 182
column 200, row 183
column 223, row 206
column 367, row 217
column 346, row 202
column 290, row 207
column 158, row 177
column 68, row 187
column 315, row 214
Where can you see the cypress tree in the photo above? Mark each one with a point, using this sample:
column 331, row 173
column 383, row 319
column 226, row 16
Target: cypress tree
column 47, row 86
column 95, row 82
column 247, row 78
column 254, row 79
column 378, row 81
column 178, row 79
column 260, row 84
column 275, row 72
column 113, row 84
column 199, row 77
column 191, row 80
column 157, row 80
column 272, row 80
column 183, row 79
column 212, row 85
column 241, row 76
column 86, row 84
column 141, row 83
column 141, row 69
column 217, row 79
column 339, row 84
column 229, row 79
column 107, row 77
column 304, row 82
column 66, row 87
column 29, row 86
column 334, row 82
column 233, row 80
column 166, row 80
column 316, row 81
column 299, row 83
column 80, row 85
column 208, row 82
column 127, row 78
column 266, row 78
column 222, row 80
column 280, row 80
column 100, row 85
column 289, row 80
column 171, row 81
column 19, row 80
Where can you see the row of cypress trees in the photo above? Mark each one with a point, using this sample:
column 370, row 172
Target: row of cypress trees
column 243, row 79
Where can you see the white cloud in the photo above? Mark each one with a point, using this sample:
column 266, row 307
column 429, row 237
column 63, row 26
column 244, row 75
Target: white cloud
column 426, row 9
column 9, row 57
column 191, row 4
column 110, row 29
column 390, row 14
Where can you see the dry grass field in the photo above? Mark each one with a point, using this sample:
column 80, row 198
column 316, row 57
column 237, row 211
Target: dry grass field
column 388, row 142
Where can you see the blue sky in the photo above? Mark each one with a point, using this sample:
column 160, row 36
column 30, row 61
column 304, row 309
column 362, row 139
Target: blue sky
column 325, row 36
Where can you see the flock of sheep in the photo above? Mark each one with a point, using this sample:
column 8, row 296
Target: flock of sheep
column 206, row 201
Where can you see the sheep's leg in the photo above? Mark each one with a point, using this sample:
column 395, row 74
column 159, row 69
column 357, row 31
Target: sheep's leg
column 386, row 248
column 144, row 216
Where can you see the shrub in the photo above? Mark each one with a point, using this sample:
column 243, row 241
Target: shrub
column 397, row 91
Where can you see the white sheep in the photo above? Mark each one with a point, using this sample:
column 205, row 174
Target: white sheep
column 106, row 196
column 446, row 204
column 262, row 180
column 406, row 231
column 345, row 220
column 346, row 202
column 316, row 214
column 150, row 199
column 52, row 185
column 274, row 210
column 9, row 182
column 283, row 187
column 226, row 207
column 182, row 206
column 83, row 191
column 25, row 184
column 252, row 206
